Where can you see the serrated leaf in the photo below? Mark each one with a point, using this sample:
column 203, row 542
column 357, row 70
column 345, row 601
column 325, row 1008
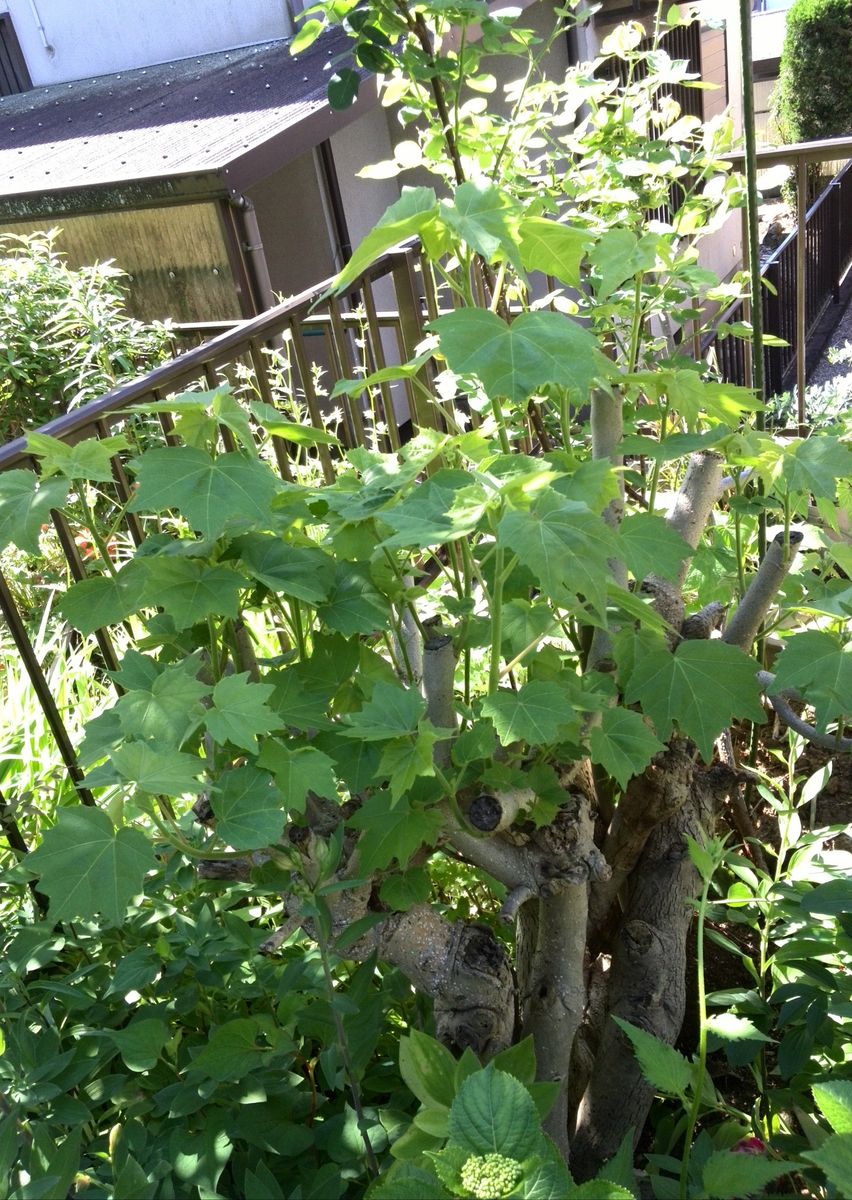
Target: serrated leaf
column 88, row 459
column 567, row 548
column 664, row 1067
column 106, row 599
column 494, row 1114
column 731, row 1028
column 415, row 208
column 703, row 686
column 427, row 1069
column 86, row 866
column 231, row 491
column 25, row 505
column 406, row 760
column 599, row 1189
column 448, row 506
column 158, row 771
column 392, row 831
column 354, row 605
column 168, row 710
column 299, row 771
column 391, row 712
column 518, row 1061
column 616, row 256
column 622, row 744
column 731, row 1176
column 189, row 590
column 301, row 571
column 553, row 248
column 834, row 1100
column 516, row 360
column 820, row 666
column 539, row 714
column 815, row 464
column 484, row 217
column 248, row 809
column 649, row 545
column 239, row 711
column 402, row 892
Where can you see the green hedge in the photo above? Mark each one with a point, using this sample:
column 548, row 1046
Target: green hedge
column 814, row 94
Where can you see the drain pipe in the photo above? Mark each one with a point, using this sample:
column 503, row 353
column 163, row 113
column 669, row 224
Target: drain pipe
column 40, row 27
column 252, row 253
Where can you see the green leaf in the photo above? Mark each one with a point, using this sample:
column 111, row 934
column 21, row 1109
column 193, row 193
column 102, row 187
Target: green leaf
column 240, row 711
column 87, row 867
column 814, row 465
column 392, row 831
column 730, row 1176
column 301, row 571
column 189, row 590
column 623, row 744
column 106, row 599
column 484, row 217
column 405, row 761
column 553, row 248
column 308, row 33
column 494, row 1114
column 402, row 892
column 516, row 360
column 829, row 899
column 566, row 547
column 343, row 88
column 355, row 604
column 229, row 492
column 25, row 504
column 702, row 686
column 834, row 1100
column 157, row 771
column 415, row 208
column 301, row 435
column 168, row 710
column 518, row 1061
column 664, row 1067
column 731, row 1028
column 649, row 545
column 427, row 1069
column 820, row 666
column 131, row 1180
column 141, row 1042
column 617, row 256
column 448, row 506
column 236, row 1048
column 89, row 459
column 391, row 712
column 248, row 809
column 539, row 714
column 298, row 772
column 599, row 1189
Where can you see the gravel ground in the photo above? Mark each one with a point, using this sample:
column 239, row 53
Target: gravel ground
column 839, row 374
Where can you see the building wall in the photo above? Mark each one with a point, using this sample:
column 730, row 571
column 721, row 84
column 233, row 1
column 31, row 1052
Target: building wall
column 79, row 38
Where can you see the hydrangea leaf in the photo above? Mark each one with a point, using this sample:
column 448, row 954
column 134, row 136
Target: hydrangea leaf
column 248, row 808
column 88, row 867
column 623, row 744
column 516, row 360
column 494, row 1113
column 392, row 831
column 539, row 714
column 25, row 504
column 703, row 686
column 240, row 712
column 230, row 491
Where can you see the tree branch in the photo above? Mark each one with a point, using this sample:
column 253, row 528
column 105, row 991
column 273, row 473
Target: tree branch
column 745, row 622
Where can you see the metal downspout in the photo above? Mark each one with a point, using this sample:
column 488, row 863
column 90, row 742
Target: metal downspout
column 252, row 253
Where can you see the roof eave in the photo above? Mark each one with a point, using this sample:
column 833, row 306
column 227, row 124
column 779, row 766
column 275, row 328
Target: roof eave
column 158, row 191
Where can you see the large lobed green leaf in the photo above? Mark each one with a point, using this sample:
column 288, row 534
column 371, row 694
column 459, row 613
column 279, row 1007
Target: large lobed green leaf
column 25, row 505
column 87, row 867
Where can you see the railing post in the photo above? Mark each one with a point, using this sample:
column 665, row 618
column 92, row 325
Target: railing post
column 801, row 290
column 772, row 309
column 837, row 226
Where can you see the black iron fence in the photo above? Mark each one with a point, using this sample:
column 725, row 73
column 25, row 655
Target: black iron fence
column 828, row 256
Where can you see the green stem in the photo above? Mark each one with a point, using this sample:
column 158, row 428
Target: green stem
column 700, row 1074
column 655, row 471
column 298, row 629
column 505, row 445
column 103, row 551
column 635, row 326
column 496, row 620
